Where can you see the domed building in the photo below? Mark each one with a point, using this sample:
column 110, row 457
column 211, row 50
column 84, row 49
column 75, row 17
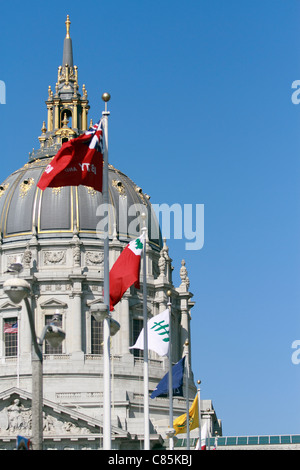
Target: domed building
column 56, row 235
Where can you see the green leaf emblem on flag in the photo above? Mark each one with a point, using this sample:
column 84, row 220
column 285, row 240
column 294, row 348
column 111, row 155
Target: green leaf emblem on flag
column 160, row 326
column 158, row 330
column 138, row 244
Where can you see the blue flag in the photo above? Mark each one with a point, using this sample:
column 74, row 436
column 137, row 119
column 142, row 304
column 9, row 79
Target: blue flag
column 23, row 443
column 162, row 389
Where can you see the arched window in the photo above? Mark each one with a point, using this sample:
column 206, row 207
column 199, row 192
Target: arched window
column 66, row 118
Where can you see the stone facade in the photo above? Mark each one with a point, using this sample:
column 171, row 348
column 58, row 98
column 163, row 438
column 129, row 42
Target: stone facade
column 55, row 235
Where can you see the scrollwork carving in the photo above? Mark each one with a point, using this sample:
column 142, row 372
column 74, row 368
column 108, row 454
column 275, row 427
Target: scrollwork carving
column 93, row 258
column 54, row 257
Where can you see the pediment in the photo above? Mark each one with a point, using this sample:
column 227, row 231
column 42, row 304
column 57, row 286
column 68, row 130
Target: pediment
column 53, row 303
column 10, row 306
column 138, row 307
column 95, row 302
column 58, row 421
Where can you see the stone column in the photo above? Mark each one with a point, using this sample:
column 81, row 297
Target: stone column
column 76, row 318
column 56, row 114
column 74, row 116
column 77, row 327
column 50, row 118
column 84, row 119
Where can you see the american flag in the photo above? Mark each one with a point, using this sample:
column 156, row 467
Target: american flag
column 11, row 327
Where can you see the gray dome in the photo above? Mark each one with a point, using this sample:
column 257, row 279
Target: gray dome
column 59, row 212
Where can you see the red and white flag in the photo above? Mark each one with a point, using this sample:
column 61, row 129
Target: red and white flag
column 125, row 271
column 11, row 327
column 79, row 161
column 204, row 435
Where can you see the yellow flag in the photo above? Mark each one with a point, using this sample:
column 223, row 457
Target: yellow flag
column 179, row 423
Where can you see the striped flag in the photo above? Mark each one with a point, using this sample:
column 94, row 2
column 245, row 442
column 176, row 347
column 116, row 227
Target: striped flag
column 11, row 327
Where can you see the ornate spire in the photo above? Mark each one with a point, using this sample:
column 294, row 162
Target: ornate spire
column 68, row 22
column 68, row 49
column 67, row 108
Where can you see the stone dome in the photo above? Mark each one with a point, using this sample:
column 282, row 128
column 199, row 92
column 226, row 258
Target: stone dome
column 56, row 235
column 25, row 210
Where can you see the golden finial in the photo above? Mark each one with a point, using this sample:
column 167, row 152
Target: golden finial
column 65, row 120
column 106, row 97
column 68, row 22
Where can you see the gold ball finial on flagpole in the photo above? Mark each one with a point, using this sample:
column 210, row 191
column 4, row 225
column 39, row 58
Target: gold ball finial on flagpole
column 169, row 304
column 106, row 97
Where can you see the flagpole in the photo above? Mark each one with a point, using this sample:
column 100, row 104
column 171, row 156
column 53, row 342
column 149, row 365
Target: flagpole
column 199, row 412
column 171, row 438
column 187, row 395
column 18, row 352
column 145, row 321
column 106, row 321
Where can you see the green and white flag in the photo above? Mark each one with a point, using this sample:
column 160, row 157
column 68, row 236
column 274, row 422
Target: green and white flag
column 158, row 334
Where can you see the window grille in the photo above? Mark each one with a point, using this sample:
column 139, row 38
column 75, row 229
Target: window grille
column 10, row 331
column 97, row 336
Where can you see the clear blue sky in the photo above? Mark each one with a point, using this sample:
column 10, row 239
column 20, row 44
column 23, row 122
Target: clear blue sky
column 201, row 113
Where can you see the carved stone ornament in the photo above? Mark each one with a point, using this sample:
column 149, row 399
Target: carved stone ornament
column 162, row 263
column 54, row 257
column 25, row 186
column 91, row 191
column 93, row 258
column 3, row 188
column 16, row 419
column 27, row 257
column 184, row 275
column 77, row 254
column 119, row 186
